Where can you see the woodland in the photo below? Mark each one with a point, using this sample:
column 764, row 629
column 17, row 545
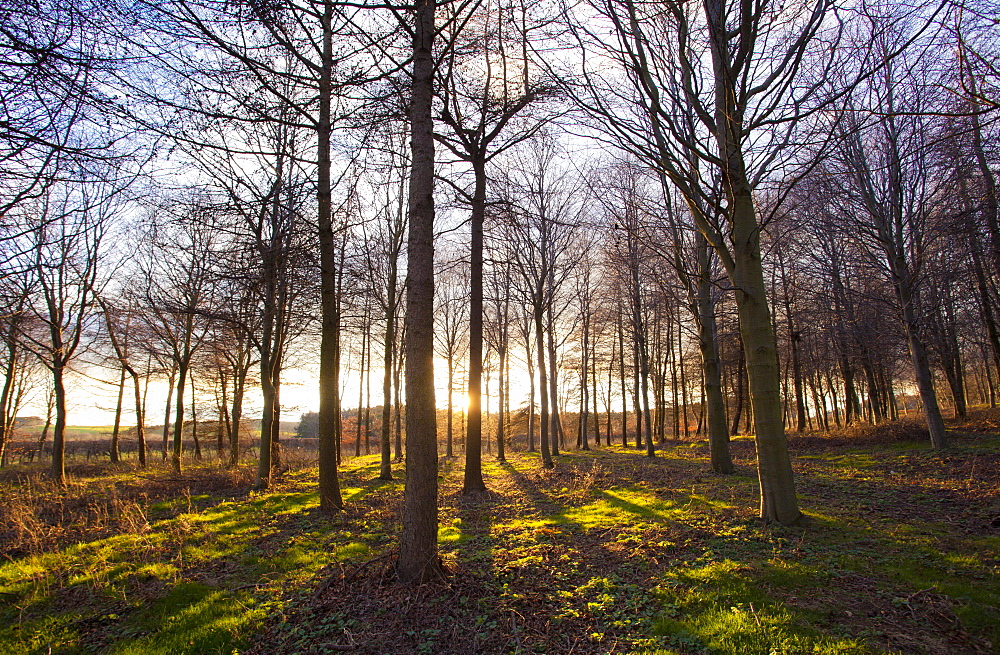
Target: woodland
column 485, row 326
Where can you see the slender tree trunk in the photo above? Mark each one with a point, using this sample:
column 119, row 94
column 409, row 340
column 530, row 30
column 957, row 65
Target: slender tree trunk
column 556, row 431
column 178, row 446
column 236, row 419
column 611, row 383
column 715, row 401
column 361, row 400
column 276, row 462
column 59, row 432
column 385, row 469
column 543, row 392
column 50, row 403
column 637, row 390
column 194, row 425
column 140, row 418
column 531, row 393
column 450, row 438
column 502, row 413
column 8, row 385
column 398, row 450
column 170, row 405
column 595, row 392
column 584, row 363
column 621, row 377
column 738, row 392
column 473, row 481
column 113, row 453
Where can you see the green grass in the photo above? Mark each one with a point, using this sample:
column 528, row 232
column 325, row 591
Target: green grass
column 139, row 589
column 609, row 551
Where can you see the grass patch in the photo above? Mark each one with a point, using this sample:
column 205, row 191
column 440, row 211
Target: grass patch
column 611, row 551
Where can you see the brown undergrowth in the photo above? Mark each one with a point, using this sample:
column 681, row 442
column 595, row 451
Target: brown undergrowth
column 38, row 515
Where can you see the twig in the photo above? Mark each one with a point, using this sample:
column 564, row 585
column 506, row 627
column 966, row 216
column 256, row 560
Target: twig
column 922, row 591
column 254, row 585
column 364, row 565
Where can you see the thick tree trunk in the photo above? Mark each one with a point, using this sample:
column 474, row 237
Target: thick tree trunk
column 418, row 559
column 265, row 458
column 921, row 366
column 777, row 486
column 329, row 364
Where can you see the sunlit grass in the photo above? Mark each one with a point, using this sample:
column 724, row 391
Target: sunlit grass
column 683, row 567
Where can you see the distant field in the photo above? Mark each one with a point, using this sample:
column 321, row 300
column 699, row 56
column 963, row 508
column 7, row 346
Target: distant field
column 72, row 432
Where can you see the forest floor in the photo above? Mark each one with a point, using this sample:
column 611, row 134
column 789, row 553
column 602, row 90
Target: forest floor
column 610, row 552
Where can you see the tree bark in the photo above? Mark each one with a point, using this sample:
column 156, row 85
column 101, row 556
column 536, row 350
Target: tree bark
column 715, row 401
column 418, row 560
column 113, row 451
column 329, row 364
column 473, row 481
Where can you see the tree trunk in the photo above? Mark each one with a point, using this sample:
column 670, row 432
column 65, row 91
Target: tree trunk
column 398, row 445
column 774, row 468
column 329, row 364
column 194, row 425
column 450, row 433
column 59, row 432
column 170, row 405
column 584, row 370
column 621, row 377
column 556, row 431
column 418, row 560
column 236, row 418
column 473, row 481
column 177, row 446
column 8, row 385
column 113, row 452
column 715, row 401
column 921, row 366
column 502, row 414
column 531, row 392
column 385, row 468
column 49, row 409
column 543, row 391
